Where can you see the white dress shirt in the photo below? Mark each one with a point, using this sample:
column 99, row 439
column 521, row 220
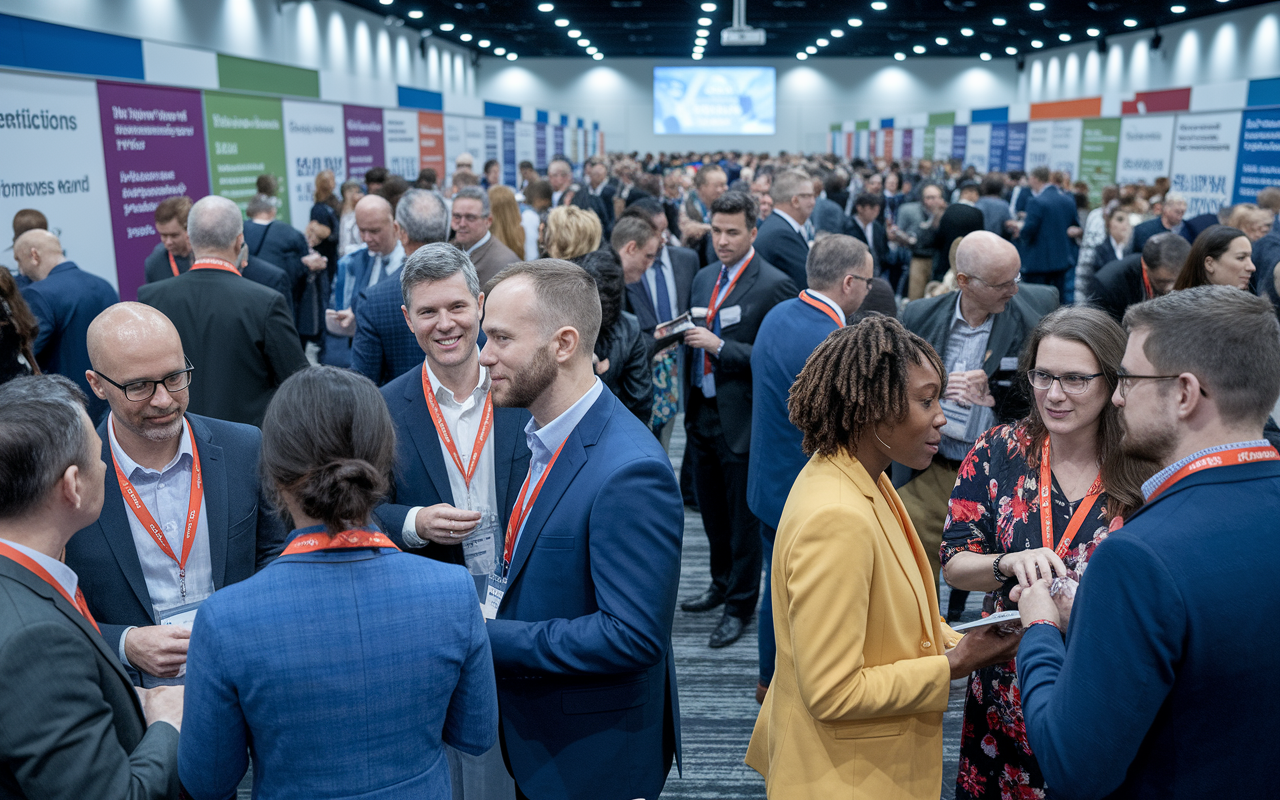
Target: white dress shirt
column 817, row 295
column 64, row 575
column 796, row 226
column 661, row 269
column 384, row 265
column 529, row 220
column 709, row 380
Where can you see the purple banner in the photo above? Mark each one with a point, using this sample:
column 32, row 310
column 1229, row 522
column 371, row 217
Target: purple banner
column 153, row 146
column 558, row 142
column 365, row 148
column 907, row 138
column 540, row 147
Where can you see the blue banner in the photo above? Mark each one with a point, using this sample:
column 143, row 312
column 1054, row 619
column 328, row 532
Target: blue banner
column 509, row 152
column 1015, row 153
column 1258, row 162
column 959, row 141
column 540, row 147
column 999, row 141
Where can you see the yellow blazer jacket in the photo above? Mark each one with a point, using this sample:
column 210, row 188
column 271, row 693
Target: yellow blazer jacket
column 855, row 707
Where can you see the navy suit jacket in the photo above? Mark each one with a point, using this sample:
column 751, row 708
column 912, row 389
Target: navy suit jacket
column 582, row 639
column 1145, row 230
column 421, row 475
column 828, row 216
column 1162, row 689
column 787, row 337
column 281, row 244
column 684, row 265
column 1044, row 241
column 384, row 348
column 64, row 304
column 245, row 533
column 355, row 267
column 785, row 249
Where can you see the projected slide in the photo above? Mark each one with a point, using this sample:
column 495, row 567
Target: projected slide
column 714, row 100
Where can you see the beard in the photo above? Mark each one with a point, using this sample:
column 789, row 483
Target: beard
column 153, row 433
column 526, row 386
column 1155, row 445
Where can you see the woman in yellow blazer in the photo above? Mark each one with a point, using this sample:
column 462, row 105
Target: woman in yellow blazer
column 863, row 665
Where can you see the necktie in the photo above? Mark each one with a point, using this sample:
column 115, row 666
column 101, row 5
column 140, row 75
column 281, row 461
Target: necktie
column 664, row 297
column 808, row 231
column 715, row 323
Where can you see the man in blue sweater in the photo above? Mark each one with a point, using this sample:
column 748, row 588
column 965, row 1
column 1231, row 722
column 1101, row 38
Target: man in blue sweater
column 1165, row 685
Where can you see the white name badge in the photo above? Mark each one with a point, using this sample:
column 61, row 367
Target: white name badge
column 729, row 316
column 480, row 548
column 180, row 615
column 492, row 599
column 1010, row 363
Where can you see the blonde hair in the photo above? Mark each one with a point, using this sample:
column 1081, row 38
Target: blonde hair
column 506, row 218
column 572, row 232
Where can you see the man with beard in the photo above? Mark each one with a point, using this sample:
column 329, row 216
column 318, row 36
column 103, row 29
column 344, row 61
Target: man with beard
column 1156, row 660
column 183, row 514
column 581, row 601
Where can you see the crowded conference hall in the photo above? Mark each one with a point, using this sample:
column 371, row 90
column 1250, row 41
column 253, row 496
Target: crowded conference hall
column 585, row 400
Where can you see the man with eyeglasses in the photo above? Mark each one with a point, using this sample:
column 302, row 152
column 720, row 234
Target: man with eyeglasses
column 472, row 219
column 183, row 513
column 979, row 332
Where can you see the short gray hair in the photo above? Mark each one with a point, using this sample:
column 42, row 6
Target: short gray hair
column 421, row 214
column 831, row 258
column 261, row 204
column 1175, row 199
column 41, row 434
column 1235, row 349
column 474, row 193
column 788, row 184
column 565, row 166
column 213, row 223
column 435, row 262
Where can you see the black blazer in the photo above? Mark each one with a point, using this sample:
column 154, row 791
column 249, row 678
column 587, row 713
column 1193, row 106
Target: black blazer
column 1118, row 286
column 783, row 248
column 586, row 200
column 1145, row 230
column 957, row 222
column 284, row 246
column 71, row 724
column 239, row 336
column 421, row 477
column 257, row 270
column 761, row 287
column 880, row 248
column 684, row 265
column 245, row 533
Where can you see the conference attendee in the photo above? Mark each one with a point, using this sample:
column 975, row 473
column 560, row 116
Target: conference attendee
column 782, row 240
column 238, row 335
column 1116, row 246
column 537, row 194
column 1119, row 707
column 694, row 214
column 865, row 663
column 1170, row 220
column 1141, row 276
column 737, row 291
column 996, row 212
column 507, row 224
column 565, row 192
column 978, row 332
column 18, row 331
column 384, row 347
column 915, row 230
column 867, row 228
column 528, row 174
column 1265, row 256
column 1048, row 254
column 598, row 185
column 428, row 178
column 1069, row 444
column 172, row 256
column 622, row 351
column 348, row 230
column 71, row 723
column 304, row 664
column 183, row 514
column 374, row 178
column 839, row 276
column 472, row 219
column 64, row 299
column 827, row 215
column 465, row 162
column 958, row 221
column 1221, row 256
column 491, row 175
column 570, row 232
column 581, row 604
column 380, row 259
column 282, row 245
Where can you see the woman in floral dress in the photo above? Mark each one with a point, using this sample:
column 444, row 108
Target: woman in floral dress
column 996, row 536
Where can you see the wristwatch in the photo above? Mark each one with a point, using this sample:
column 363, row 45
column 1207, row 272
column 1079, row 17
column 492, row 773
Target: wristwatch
column 720, row 348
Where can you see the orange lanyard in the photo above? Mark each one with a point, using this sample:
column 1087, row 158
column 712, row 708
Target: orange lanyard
column 482, row 435
column 713, row 307
column 215, row 263
column 1046, row 506
column 339, row 541
column 1222, row 458
column 1146, row 281
column 173, row 265
column 149, row 522
column 821, row 306
column 521, row 511
column 43, row 574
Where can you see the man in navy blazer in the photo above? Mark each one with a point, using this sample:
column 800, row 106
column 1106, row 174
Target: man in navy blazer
column 1048, row 252
column 580, row 614
column 131, row 584
column 380, row 259
column 1170, row 221
column 64, row 300
column 781, row 240
column 1161, row 689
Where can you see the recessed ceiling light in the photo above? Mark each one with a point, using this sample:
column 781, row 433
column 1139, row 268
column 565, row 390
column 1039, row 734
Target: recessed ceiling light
column 597, row 56
column 512, row 56
column 415, row 14
column 942, row 41
column 985, row 56
column 918, row 49
column 1093, row 31
column 854, row 22
column 466, row 37
column 498, row 51
column 562, row 23
column 584, row 42
column 822, row 42
column 704, row 21
column 592, row 50
column 1013, row 51
column 1037, row 43
column 1178, row 9
column 1222, row 1
column 708, row 7
column 966, row 31
column 696, row 57
column 1036, row 6
column 900, row 56
column 386, row 2
column 703, row 32
column 700, row 40
column 699, row 49
column 575, row 33
column 999, row 21
column 446, row 26
column 879, row 6
column 1064, row 37
column 836, row 33
column 483, row 43
column 545, row 7
column 1131, row 23
column 811, row 50
column 802, row 56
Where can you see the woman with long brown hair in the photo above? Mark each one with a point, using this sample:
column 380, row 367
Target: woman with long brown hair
column 506, row 218
column 1221, row 255
column 18, row 329
column 1033, row 499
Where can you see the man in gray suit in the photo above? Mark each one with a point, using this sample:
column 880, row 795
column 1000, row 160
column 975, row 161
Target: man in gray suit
column 71, row 723
column 472, row 220
column 979, row 332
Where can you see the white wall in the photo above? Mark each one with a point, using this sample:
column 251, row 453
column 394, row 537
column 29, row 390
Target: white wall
column 360, row 58
column 811, row 95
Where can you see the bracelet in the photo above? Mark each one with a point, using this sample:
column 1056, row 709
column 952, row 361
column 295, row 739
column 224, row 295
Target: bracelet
column 995, row 569
column 1044, row 622
column 720, row 348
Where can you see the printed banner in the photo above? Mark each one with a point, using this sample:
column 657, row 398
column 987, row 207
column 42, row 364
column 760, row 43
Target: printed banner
column 365, row 146
column 246, row 139
column 540, row 158
column 1039, row 144
column 959, row 141
column 492, row 144
column 509, row 152
column 907, row 135
column 942, row 136
column 917, row 143
column 1015, row 152
column 977, row 153
column 864, row 144
column 1259, row 164
column 1099, row 149
column 526, row 141
column 400, row 143
column 1145, row 146
column 1204, row 160
column 473, row 129
column 454, row 144
column 153, row 146
column 313, row 142
column 431, row 142
column 999, row 145
column 557, row 142
column 930, row 142
column 1064, row 147
column 895, row 143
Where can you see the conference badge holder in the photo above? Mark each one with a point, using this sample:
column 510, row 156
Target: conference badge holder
column 480, row 548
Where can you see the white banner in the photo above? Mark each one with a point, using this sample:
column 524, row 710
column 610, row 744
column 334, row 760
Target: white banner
column 1039, row 145
column 51, row 137
column 864, row 144
column 1145, row 146
column 526, row 138
column 1064, row 147
column 1204, row 160
column 897, row 143
column 313, row 142
column 942, row 136
column 473, row 129
column 454, row 144
column 400, row 138
column 917, row 143
column 492, row 144
column 977, row 151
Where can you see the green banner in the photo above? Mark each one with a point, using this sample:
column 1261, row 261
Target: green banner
column 1099, row 151
column 836, row 127
column 942, row 118
column 930, row 140
column 862, row 125
column 246, row 139
column 265, row 77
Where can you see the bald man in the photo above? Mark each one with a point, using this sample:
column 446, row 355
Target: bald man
column 145, row 595
column 65, row 299
column 979, row 332
column 379, row 260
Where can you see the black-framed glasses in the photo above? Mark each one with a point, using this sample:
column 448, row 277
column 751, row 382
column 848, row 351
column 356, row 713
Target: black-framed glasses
column 1071, row 383
column 999, row 287
column 868, row 281
column 1126, row 380
column 137, row 391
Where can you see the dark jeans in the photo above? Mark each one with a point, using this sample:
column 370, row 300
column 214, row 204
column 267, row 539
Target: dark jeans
column 765, row 643
column 720, row 478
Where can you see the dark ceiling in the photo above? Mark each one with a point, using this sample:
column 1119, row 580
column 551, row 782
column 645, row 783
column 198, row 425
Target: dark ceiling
column 668, row 28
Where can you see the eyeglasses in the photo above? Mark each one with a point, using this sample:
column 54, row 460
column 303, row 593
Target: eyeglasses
column 1071, row 384
column 1126, row 381
column 999, row 287
column 870, row 282
column 470, row 219
column 138, row 391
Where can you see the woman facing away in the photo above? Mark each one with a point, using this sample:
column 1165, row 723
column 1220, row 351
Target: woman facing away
column 320, row 667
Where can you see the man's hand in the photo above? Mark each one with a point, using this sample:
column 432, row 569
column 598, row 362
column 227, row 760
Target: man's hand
column 158, row 650
column 315, row 262
column 1035, row 602
column 691, row 231
column 340, row 323
column 1075, row 232
column 970, row 388
column 444, row 524
column 982, row 647
column 163, row 704
column 703, row 339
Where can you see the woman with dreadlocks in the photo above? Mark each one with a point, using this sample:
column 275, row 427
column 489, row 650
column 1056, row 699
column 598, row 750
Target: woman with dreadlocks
column 864, row 660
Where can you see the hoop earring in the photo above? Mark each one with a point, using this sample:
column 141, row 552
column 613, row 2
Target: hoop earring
column 878, row 439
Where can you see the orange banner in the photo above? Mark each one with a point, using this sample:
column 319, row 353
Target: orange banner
column 431, row 141
column 1067, row 109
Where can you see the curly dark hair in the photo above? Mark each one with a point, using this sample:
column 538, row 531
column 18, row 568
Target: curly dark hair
column 854, row 380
